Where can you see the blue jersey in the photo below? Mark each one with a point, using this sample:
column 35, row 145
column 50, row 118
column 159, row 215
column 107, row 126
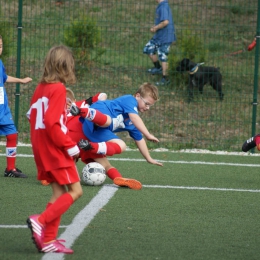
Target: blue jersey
column 5, row 113
column 123, row 105
column 167, row 34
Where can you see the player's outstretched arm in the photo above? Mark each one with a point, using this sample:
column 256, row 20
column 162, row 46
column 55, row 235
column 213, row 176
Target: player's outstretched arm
column 139, row 124
column 144, row 151
column 11, row 79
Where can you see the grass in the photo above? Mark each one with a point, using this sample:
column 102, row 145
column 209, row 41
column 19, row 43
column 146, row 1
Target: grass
column 122, row 68
column 197, row 206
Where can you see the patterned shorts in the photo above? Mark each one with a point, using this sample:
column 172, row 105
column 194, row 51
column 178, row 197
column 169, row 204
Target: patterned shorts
column 162, row 50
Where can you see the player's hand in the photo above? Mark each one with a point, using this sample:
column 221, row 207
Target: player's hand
column 152, row 138
column 153, row 29
column 74, row 110
column 152, row 161
column 26, row 80
column 84, row 145
column 76, row 157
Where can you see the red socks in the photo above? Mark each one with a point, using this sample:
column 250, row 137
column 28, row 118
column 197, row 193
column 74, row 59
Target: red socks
column 11, row 151
column 93, row 115
column 52, row 228
column 113, row 173
column 55, row 210
column 106, row 148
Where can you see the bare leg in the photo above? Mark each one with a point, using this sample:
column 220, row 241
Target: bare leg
column 165, row 68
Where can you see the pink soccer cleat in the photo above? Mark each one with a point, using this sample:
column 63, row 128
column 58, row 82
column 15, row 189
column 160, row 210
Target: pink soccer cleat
column 56, row 247
column 37, row 230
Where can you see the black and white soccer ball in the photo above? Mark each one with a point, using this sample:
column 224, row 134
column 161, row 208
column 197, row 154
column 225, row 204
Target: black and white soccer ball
column 93, row 174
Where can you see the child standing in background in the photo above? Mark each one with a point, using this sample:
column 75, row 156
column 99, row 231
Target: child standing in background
column 54, row 151
column 7, row 126
column 159, row 46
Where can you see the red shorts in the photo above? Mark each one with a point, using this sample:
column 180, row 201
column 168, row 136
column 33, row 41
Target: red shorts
column 62, row 176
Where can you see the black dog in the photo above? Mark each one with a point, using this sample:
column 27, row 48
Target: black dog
column 201, row 75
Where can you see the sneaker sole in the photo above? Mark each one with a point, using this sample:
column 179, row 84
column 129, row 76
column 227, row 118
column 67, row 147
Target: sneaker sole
column 132, row 184
column 29, row 224
column 23, row 176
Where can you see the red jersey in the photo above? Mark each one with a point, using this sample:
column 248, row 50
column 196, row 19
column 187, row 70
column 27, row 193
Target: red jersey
column 52, row 146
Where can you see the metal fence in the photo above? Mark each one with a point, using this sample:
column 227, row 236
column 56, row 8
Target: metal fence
column 115, row 64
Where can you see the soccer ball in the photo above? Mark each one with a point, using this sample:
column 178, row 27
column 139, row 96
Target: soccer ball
column 93, row 174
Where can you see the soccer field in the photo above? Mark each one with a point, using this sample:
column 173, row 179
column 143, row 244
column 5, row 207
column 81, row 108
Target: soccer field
column 197, row 206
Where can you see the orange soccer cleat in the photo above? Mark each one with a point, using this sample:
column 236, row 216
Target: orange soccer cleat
column 130, row 183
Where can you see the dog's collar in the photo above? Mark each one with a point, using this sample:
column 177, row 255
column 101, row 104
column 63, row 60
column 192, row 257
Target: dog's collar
column 195, row 68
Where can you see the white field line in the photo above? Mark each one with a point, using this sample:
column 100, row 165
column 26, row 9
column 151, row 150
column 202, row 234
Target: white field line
column 197, row 188
column 163, row 161
column 199, row 151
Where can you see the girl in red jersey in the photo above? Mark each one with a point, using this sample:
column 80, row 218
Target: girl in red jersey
column 54, row 151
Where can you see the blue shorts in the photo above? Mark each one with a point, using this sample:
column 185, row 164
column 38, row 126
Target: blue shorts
column 162, row 50
column 7, row 129
column 97, row 134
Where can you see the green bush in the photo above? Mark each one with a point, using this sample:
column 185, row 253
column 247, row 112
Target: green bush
column 83, row 36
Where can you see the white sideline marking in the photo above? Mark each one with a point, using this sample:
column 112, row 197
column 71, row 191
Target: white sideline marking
column 21, row 226
column 161, row 149
column 197, row 188
column 163, row 161
column 83, row 218
column 187, row 162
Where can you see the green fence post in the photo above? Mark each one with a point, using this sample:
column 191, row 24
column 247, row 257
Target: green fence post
column 256, row 72
column 18, row 64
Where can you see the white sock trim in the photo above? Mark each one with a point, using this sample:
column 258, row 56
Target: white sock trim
column 102, row 148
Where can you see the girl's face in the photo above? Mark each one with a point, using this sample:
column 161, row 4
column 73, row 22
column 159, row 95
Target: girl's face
column 144, row 103
column 1, row 46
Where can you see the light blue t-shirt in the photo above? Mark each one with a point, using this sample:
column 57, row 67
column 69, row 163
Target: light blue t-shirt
column 167, row 34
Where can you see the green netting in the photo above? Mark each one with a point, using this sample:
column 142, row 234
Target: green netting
column 215, row 32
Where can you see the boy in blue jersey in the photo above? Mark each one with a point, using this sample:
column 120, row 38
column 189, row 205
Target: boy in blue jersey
column 7, row 127
column 164, row 36
column 104, row 141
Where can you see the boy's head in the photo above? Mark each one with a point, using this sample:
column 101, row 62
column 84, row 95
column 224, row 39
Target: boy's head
column 146, row 96
column 59, row 66
column 1, row 44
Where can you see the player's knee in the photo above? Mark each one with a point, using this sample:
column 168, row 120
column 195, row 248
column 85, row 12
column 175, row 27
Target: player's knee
column 122, row 146
column 108, row 122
